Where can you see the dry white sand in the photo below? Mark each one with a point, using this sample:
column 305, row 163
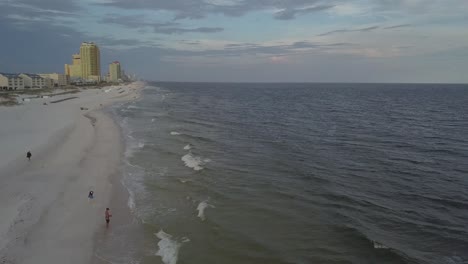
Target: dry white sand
column 45, row 215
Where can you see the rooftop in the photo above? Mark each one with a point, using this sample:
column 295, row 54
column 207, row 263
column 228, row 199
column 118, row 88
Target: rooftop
column 32, row 75
column 88, row 44
column 10, row 75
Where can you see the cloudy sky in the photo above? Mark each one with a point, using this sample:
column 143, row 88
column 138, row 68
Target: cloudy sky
column 245, row 40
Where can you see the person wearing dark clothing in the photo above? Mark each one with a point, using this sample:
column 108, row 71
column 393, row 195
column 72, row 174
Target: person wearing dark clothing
column 107, row 215
column 28, row 155
column 91, row 195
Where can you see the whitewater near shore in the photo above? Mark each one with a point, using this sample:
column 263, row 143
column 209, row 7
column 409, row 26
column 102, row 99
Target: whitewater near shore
column 46, row 216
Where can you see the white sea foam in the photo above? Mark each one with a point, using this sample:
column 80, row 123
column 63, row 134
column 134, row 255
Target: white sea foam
column 131, row 203
column 174, row 133
column 201, row 209
column 152, row 120
column 168, row 248
column 129, row 151
column 132, row 146
column 131, row 200
column 124, row 123
column 377, row 245
column 188, row 147
column 192, row 161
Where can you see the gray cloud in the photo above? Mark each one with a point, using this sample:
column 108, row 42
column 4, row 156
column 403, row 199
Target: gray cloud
column 126, row 21
column 189, row 42
column 249, row 49
column 30, row 12
column 411, row 5
column 55, row 5
column 31, row 45
column 240, row 45
column 178, row 30
column 195, row 9
column 109, row 41
column 398, row 26
column 291, row 13
column 157, row 27
column 235, row 49
column 404, row 47
column 367, row 29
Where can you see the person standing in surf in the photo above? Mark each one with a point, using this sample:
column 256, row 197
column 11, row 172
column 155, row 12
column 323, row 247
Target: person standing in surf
column 108, row 215
column 28, row 155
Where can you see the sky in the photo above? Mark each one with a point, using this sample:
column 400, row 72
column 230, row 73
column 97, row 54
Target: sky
column 244, row 40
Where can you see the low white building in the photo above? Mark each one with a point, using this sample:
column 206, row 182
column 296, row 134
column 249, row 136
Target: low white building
column 34, row 81
column 11, row 81
column 58, row 78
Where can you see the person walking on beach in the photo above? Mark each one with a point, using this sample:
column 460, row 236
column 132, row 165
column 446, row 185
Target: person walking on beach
column 28, row 155
column 108, row 215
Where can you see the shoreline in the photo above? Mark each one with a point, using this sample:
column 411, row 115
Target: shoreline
column 47, row 215
column 108, row 246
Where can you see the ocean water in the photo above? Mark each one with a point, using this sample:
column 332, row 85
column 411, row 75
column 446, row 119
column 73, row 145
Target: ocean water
column 297, row 173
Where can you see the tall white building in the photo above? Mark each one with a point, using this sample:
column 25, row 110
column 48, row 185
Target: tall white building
column 11, row 81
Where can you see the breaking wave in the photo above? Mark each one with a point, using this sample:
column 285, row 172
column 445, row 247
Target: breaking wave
column 201, row 209
column 168, row 248
column 193, row 162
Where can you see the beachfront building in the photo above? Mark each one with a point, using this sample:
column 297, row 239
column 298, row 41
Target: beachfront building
column 90, row 61
column 11, row 81
column 57, row 78
column 73, row 71
column 115, row 73
column 95, row 78
column 34, row 81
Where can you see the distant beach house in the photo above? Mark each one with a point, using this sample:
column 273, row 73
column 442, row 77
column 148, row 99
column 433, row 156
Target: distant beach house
column 34, row 81
column 11, row 81
column 57, row 78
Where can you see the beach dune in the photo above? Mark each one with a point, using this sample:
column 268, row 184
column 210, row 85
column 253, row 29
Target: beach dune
column 46, row 216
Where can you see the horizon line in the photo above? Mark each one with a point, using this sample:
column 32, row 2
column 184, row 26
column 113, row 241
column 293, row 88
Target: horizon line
column 306, row 82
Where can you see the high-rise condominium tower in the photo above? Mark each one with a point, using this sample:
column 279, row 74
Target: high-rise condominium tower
column 115, row 73
column 90, row 60
column 74, row 70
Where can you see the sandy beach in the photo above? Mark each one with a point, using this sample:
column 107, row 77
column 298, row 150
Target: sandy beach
column 46, row 216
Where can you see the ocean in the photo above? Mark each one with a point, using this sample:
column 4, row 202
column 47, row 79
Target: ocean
column 257, row 173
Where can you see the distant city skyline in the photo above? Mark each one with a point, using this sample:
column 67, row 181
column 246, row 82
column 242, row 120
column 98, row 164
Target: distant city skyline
column 244, row 41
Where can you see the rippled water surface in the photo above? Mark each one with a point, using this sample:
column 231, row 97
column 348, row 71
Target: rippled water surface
column 299, row 173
